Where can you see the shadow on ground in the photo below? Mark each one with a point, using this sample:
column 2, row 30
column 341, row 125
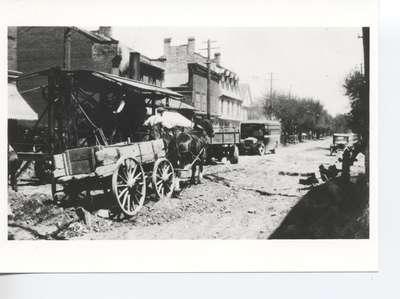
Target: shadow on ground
column 334, row 210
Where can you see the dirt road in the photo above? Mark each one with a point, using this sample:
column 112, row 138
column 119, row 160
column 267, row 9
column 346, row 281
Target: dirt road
column 243, row 201
column 248, row 200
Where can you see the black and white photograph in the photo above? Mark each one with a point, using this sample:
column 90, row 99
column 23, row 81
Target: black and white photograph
column 189, row 133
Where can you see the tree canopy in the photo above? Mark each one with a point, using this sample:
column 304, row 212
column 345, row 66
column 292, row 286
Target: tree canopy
column 297, row 115
column 356, row 88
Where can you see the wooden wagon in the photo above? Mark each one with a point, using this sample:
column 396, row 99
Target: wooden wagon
column 127, row 170
column 94, row 123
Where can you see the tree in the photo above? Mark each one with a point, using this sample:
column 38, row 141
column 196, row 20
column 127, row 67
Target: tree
column 298, row 115
column 356, row 89
column 340, row 123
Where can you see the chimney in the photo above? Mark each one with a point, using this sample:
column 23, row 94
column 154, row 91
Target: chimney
column 167, row 46
column 191, row 47
column 105, row 31
column 134, row 66
column 217, row 58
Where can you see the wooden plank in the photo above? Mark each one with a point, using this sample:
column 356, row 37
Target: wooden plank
column 59, row 173
column 107, row 155
column 32, row 156
column 58, row 161
column 159, row 149
column 228, row 137
column 106, row 170
column 68, row 178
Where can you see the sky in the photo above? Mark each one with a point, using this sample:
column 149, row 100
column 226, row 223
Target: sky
column 307, row 62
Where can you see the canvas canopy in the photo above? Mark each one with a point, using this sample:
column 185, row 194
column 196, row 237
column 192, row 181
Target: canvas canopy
column 18, row 108
column 169, row 120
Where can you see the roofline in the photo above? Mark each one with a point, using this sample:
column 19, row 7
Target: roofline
column 261, row 122
column 220, row 66
column 203, row 68
column 93, row 36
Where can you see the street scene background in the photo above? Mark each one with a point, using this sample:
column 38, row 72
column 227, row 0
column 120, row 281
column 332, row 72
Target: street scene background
column 312, row 184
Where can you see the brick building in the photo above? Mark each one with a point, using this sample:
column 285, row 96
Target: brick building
column 12, row 48
column 37, row 48
column 186, row 73
column 140, row 67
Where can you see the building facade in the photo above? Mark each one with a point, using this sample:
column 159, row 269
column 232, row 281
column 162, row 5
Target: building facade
column 245, row 94
column 33, row 49
column 139, row 67
column 230, row 101
column 12, row 48
column 186, row 73
column 40, row 48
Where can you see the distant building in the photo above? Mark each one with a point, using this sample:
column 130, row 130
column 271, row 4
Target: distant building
column 139, row 67
column 245, row 94
column 186, row 73
column 230, row 102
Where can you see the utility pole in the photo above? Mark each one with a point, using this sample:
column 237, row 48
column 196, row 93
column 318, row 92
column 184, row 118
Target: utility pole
column 67, row 48
column 270, row 86
column 208, row 63
column 270, row 94
column 66, row 116
column 365, row 37
column 209, row 79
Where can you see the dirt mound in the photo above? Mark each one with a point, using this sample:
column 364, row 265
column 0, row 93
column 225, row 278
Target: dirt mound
column 334, row 210
column 36, row 216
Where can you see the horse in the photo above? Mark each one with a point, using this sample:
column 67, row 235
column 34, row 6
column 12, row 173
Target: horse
column 191, row 148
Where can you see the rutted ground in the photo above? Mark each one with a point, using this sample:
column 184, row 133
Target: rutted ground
column 244, row 201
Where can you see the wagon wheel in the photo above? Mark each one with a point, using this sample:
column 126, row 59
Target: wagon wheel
column 163, row 178
column 129, row 185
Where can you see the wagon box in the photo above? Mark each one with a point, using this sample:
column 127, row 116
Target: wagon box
column 224, row 143
column 97, row 159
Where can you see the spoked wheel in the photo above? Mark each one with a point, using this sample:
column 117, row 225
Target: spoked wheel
column 163, row 178
column 129, row 185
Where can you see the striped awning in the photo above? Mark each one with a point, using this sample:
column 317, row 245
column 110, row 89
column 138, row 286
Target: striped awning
column 18, row 108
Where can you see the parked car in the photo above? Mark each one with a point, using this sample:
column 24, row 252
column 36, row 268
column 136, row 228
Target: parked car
column 341, row 140
column 259, row 136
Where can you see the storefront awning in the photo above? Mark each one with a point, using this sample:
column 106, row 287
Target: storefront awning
column 151, row 90
column 18, row 108
column 176, row 105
